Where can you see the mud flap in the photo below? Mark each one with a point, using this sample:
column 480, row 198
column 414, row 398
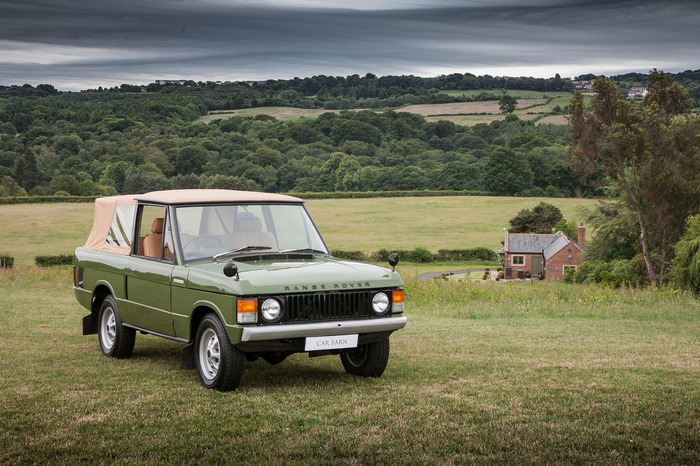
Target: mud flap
column 187, row 358
column 90, row 324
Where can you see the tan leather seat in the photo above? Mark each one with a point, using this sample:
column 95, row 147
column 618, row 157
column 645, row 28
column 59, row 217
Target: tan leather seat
column 249, row 233
column 153, row 243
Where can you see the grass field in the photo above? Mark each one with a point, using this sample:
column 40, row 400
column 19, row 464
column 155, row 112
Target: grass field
column 519, row 374
column 350, row 224
column 462, row 113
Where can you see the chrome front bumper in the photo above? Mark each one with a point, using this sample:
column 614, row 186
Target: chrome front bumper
column 342, row 327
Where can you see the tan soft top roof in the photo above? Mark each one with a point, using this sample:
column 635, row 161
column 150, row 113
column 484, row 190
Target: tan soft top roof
column 178, row 196
column 105, row 208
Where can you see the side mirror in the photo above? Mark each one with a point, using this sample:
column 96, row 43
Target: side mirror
column 231, row 270
column 393, row 260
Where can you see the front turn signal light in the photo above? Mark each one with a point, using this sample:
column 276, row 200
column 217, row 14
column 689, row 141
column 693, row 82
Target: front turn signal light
column 247, row 311
column 397, row 301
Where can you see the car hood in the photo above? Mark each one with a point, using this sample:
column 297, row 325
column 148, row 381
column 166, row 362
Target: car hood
column 293, row 275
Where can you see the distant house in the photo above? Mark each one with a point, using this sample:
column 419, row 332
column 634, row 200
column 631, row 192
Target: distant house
column 585, row 85
column 637, row 91
column 535, row 254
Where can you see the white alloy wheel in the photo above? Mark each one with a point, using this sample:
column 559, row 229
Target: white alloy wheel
column 108, row 328
column 209, row 354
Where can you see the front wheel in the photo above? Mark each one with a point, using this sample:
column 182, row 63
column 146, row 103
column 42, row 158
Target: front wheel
column 368, row 360
column 219, row 363
column 116, row 340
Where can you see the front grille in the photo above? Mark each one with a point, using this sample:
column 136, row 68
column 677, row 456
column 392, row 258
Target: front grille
column 328, row 306
column 325, row 306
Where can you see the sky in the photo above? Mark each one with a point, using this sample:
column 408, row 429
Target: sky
column 81, row 44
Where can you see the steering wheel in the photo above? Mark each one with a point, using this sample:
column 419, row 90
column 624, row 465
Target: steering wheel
column 197, row 238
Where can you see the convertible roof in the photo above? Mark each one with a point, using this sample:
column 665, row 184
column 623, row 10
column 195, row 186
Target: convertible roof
column 181, row 196
column 106, row 207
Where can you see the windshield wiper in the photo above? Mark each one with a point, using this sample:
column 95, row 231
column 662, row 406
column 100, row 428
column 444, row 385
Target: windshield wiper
column 242, row 249
column 311, row 250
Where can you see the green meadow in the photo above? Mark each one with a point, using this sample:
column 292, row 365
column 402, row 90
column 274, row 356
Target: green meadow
column 483, row 373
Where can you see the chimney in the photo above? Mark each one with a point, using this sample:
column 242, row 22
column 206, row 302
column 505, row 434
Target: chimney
column 581, row 236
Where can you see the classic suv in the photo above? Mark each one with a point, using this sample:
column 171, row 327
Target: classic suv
column 236, row 275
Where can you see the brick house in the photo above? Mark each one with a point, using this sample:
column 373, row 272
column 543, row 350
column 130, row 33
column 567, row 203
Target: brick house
column 549, row 255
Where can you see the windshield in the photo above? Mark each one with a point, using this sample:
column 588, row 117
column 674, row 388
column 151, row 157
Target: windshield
column 227, row 230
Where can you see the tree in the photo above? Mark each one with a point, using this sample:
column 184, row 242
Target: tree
column 507, row 172
column 686, row 264
column 541, row 219
column 507, row 103
column 651, row 153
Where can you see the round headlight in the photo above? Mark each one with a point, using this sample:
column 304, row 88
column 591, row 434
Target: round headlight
column 271, row 310
column 380, row 303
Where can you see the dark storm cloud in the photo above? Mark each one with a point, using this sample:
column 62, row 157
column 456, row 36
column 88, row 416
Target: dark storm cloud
column 77, row 44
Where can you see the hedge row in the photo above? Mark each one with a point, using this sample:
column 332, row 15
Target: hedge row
column 48, row 261
column 420, row 254
column 381, row 194
column 6, row 262
column 335, row 195
column 45, row 199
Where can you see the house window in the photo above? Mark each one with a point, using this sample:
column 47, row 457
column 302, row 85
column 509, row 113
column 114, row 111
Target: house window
column 518, row 260
column 567, row 267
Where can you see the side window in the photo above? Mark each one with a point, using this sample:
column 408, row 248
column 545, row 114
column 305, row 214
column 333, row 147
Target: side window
column 122, row 226
column 152, row 228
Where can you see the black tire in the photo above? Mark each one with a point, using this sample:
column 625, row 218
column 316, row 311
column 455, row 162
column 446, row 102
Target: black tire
column 219, row 363
column 368, row 360
column 116, row 340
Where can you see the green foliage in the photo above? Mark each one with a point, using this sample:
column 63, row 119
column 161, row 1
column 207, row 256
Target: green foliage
column 507, row 103
column 541, row 219
column 422, row 255
column 612, row 274
column 507, row 172
column 6, row 262
column 686, row 264
column 467, row 255
column 651, row 154
column 616, row 233
column 48, row 261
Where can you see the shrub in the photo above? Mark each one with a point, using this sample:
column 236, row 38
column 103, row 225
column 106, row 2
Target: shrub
column 474, row 254
column 48, row 261
column 350, row 255
column 7, row 262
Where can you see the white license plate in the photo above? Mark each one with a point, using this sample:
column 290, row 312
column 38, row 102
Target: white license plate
column 327, row 343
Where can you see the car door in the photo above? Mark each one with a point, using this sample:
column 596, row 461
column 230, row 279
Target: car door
column 149, row 272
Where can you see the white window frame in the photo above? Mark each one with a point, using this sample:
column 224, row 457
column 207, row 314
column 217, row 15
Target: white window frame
column 512, row 261
column 564, row 267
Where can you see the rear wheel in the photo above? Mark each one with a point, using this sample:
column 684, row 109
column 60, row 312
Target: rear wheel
column 219, row 363
column 368, row 360
column 116, row 340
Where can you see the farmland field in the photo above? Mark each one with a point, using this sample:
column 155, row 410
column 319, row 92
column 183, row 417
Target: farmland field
column 351, row 224
column 462, row 113
column 535, row 373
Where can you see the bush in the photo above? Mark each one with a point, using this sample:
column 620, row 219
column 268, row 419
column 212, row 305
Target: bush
column 7, row 262
column 350, row 255
column 612, row 274
column 48, row 261
column 474, row 254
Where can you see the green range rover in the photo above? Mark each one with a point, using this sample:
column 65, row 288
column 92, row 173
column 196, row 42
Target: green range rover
column 236, row 276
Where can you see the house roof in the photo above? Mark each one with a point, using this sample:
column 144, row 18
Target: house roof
column 529, row 243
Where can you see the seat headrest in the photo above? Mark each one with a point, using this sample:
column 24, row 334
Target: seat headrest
column 157, row 226
column 248, row 224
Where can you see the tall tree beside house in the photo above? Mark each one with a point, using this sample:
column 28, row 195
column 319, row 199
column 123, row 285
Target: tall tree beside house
column 540, row 219
column 651, row 152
